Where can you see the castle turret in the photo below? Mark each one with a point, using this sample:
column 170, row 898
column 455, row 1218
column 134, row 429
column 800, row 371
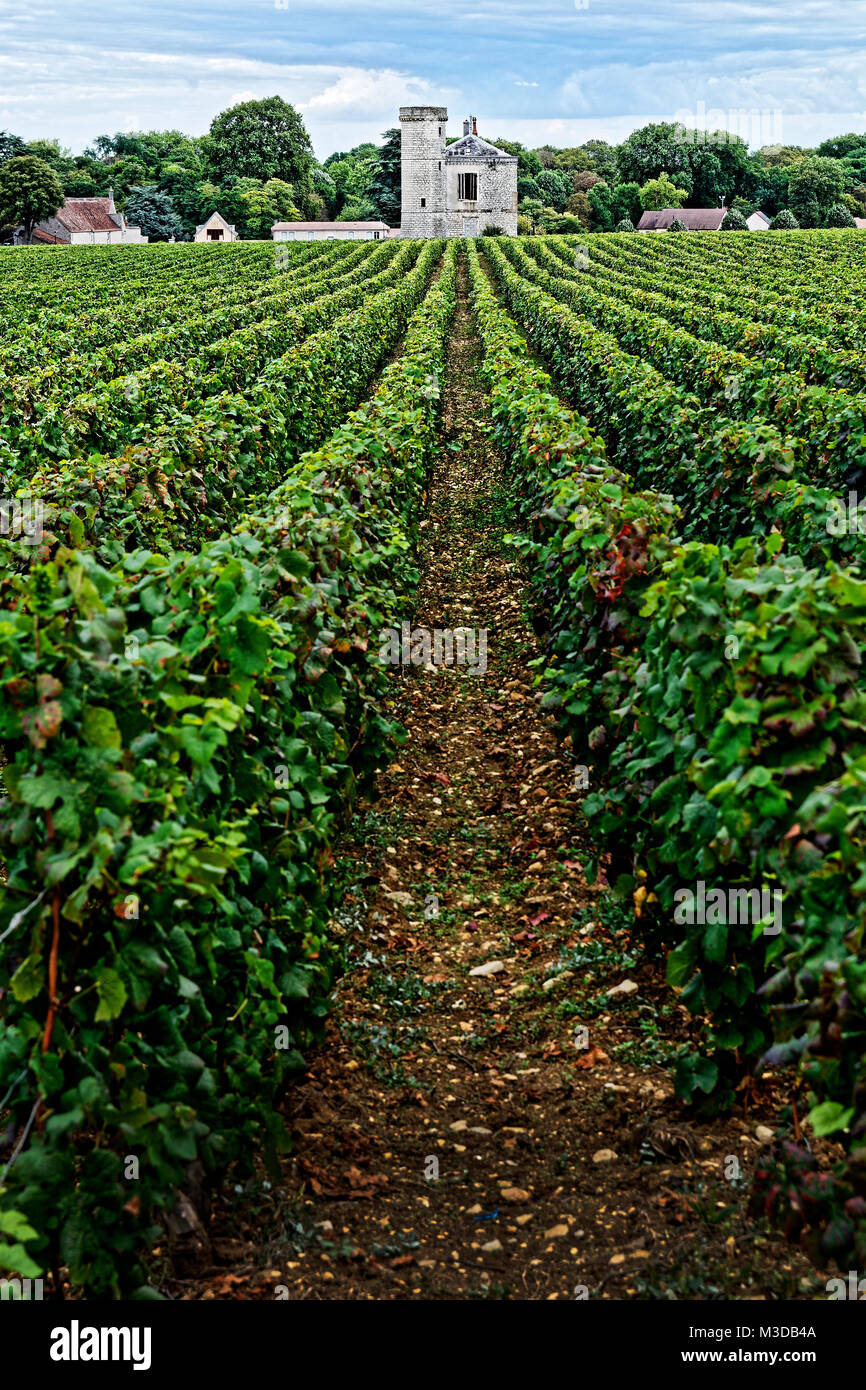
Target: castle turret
column 423, row 171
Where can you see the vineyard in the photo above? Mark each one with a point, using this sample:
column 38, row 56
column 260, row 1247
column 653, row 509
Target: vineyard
column 278, row 912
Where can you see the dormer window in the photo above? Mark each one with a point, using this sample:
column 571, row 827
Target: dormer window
column 467, row 187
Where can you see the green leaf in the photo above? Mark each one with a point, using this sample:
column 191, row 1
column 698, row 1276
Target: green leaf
column 100, row 727
column 829, row 1117
column 112, row 995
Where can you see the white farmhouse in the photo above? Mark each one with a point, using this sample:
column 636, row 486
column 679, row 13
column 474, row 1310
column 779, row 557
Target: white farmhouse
column 758, row 222
column 88, row 221
column 453, row 190
column 216, row 229
column 329, row 231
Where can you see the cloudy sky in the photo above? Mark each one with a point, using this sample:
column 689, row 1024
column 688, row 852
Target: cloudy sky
column 536, row 70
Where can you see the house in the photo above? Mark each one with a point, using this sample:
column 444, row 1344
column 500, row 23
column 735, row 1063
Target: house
column 329, row 231
column 758, row 222
column 215, row 229
column 453, row 190
column 86, row 221
column 695, row 219
column 861, row 223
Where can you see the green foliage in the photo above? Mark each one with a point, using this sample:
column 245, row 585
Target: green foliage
column 262, row 140
column 734, row 221
column 735, row 762
column 175, row 772
column 660, row 193
column 784, row 221
column 29, row 192
column 838, row 215
column 153, row 212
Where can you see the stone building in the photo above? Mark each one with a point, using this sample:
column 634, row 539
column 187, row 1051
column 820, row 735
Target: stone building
column 216, row 229
column 329, row 231
column 453, row 190
column 85, row 221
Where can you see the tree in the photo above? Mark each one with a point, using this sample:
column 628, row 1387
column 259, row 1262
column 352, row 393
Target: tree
column 781, row 156
column 528, row 163
column 652, row 149
column 555, row 188
column 10, row 145
column 841, row 145
column 839, row 216
column 784, row 221
column 707, row 167
column 627, row 205
column 578, row 206
column 261, row 140
column 361, row 210
column 527, row 188
column 385, row 190
column 584, row 179
column 815, row 180
column 600, row 198
column 533, row 210
column 154, row 213
column 266, row 204
column 29, row 192
column 595, row 157
column 733, row 221
column 661, row 193
column 624, row 225
column 677, row 226
column 807, row 212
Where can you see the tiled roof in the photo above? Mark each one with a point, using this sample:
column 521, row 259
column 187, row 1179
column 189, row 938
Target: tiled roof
column 86, row 215
column 329, row 226
column 696, row 219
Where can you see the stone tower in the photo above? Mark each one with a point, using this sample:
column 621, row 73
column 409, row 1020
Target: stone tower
column 423, row 171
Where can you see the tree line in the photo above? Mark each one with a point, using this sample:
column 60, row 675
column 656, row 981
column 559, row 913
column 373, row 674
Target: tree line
column 256, row 166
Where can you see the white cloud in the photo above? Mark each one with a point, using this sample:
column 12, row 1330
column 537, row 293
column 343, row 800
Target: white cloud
column 360, row 91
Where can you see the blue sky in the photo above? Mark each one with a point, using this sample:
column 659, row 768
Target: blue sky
column 548, row 70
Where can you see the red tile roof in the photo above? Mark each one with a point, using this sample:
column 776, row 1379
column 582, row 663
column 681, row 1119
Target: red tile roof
column 86, row 215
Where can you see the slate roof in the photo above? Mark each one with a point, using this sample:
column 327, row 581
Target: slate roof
column 86, row 215
column 473, row 147
column 696, row 219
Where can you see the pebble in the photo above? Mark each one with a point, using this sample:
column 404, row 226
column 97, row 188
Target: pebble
column 491, row 1246
column 764, row 1134
column 514, row 1194
column 556, row 1232
column 522, row 1220
column 479, row 1129
column 491, row 967
column 475, row 1211
column 604, row 1156
column 627, row 987
column 555, row 979
column 459, row 1125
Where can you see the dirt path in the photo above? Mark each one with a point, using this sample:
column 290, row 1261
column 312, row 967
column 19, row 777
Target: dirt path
column 457, row 1135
